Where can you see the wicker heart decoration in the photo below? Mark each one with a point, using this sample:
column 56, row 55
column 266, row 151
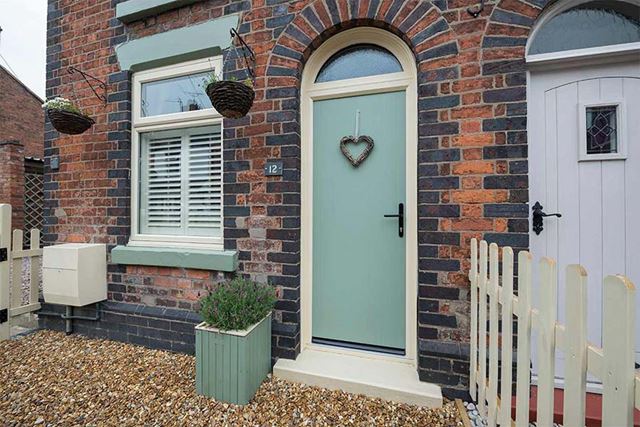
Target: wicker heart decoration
column 362, row 139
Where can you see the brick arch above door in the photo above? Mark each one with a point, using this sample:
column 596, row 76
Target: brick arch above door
column 419, row 23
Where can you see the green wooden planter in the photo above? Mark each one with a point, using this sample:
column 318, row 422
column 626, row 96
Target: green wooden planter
column 231, row 365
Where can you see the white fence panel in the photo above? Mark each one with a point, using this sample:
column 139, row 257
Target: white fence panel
column 575, row 369
column 11, row 279
column 613, row 364
column 507, row 335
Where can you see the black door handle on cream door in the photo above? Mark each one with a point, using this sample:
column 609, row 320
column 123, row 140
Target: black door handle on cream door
column 400, row 216
column 538, row 217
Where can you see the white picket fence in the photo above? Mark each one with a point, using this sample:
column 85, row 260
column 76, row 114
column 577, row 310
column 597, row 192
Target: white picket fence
column 11, row 276
column 492, row 295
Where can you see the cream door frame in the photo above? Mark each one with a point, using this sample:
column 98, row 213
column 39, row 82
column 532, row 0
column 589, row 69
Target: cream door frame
column 310, row 92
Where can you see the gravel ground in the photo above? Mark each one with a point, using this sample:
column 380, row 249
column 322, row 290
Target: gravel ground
column 48, row 378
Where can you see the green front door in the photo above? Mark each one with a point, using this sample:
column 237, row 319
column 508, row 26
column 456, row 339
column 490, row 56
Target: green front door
column 358, row 255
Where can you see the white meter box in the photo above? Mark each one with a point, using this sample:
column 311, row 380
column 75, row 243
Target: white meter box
column 74, row 274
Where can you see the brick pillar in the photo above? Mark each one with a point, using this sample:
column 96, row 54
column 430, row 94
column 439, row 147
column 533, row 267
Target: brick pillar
column 12, row 179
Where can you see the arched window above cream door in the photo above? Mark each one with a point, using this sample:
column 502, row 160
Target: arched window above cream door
column 576, row 25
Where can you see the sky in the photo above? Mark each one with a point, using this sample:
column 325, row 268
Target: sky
column 23, row 41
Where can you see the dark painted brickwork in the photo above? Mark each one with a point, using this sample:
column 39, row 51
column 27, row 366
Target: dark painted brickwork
column 472, row 150
column 155, row 327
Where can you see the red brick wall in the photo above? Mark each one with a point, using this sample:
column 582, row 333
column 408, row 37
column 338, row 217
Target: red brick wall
column 12, row 180
column 21, row 116
column 472, row 148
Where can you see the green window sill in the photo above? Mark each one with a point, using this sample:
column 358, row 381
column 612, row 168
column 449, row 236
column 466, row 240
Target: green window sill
column 133, row 10
column 201, row 259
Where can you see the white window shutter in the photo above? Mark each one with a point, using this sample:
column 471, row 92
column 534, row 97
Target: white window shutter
column 204, row 204
column 161, row 173
column 181, row 182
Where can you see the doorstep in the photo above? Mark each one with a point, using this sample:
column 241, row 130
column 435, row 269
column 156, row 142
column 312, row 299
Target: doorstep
column 385, row 379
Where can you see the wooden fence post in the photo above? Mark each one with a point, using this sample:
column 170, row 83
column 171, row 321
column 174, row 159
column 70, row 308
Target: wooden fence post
column 523, row 373
column 507, row 337
column 35, row 267
column 5, row 242
column 618, row 347
column 493, row 334
column 482, row 330
column 473, row 279
column 548, row 291
column 575, row 367
column 16, row 270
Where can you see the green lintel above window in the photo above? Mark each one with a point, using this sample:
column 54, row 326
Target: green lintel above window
column 183, row 44
column 201, row 259
column 133, row 10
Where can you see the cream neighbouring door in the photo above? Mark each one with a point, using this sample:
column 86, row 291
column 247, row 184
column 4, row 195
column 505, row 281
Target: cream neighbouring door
column 598, row 195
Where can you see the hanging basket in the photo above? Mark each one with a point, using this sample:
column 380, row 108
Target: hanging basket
column 69, row 122
column 232, row 99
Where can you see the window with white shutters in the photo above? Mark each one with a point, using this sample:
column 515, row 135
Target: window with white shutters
column 181, row 182
column 176, row 194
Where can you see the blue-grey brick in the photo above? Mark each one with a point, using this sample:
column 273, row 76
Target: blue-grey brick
column 504, row 123
column 506, row 181
column 437, row 156
column 439, row 183
column 436, row 129
column 438, row 52
column 279, row 21
column 437, row 211
column 505, row 17
column 516, row 240
column 439, row 102
column 501, row 67
column 439, row 238
column 505, row 152
column 506, row 210
column 511, row 94
column 518, row 167
column 503, row 41
column 433, row 29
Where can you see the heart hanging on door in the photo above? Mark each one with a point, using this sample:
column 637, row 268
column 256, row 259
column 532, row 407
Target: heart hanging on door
column 362, row 139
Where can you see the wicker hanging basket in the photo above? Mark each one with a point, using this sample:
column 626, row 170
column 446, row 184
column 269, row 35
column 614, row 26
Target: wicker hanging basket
column 69, row 122
column 232, row 99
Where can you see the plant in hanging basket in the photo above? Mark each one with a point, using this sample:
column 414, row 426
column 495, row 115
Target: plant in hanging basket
column 66, row 117
column 231, row 98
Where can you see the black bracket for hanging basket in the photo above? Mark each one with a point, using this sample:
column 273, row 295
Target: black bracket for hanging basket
column 476, row 12
column 245, row 48
column 88, row 78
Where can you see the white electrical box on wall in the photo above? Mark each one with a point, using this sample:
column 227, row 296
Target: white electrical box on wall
column 74, row 274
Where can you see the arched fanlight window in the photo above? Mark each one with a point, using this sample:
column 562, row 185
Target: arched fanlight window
column 591, row 24
column 360, row 60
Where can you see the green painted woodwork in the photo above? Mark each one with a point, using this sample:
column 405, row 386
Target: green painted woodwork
column 183, row 44
column 133, row 10
column 358, row 257
column 231, row 367
column 202, row 259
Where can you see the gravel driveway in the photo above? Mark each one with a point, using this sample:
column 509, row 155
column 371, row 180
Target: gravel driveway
column 47, row 378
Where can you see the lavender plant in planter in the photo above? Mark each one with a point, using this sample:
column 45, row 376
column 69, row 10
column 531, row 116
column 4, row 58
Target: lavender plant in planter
column 233, row 344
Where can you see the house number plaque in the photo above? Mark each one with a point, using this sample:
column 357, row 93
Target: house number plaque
column 273, row 168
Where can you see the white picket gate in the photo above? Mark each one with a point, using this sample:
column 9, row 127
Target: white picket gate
column 11, row 255
column 492, row 295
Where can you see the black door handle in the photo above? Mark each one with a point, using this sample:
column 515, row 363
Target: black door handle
column 538, row 217
column 400, row 216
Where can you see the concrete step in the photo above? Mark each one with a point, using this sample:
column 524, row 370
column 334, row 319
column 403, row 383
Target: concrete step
column 386, row 379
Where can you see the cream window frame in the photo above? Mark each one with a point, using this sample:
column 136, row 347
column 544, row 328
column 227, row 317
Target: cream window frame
column 621, row 145
column 573, row 57
column 180, row 120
